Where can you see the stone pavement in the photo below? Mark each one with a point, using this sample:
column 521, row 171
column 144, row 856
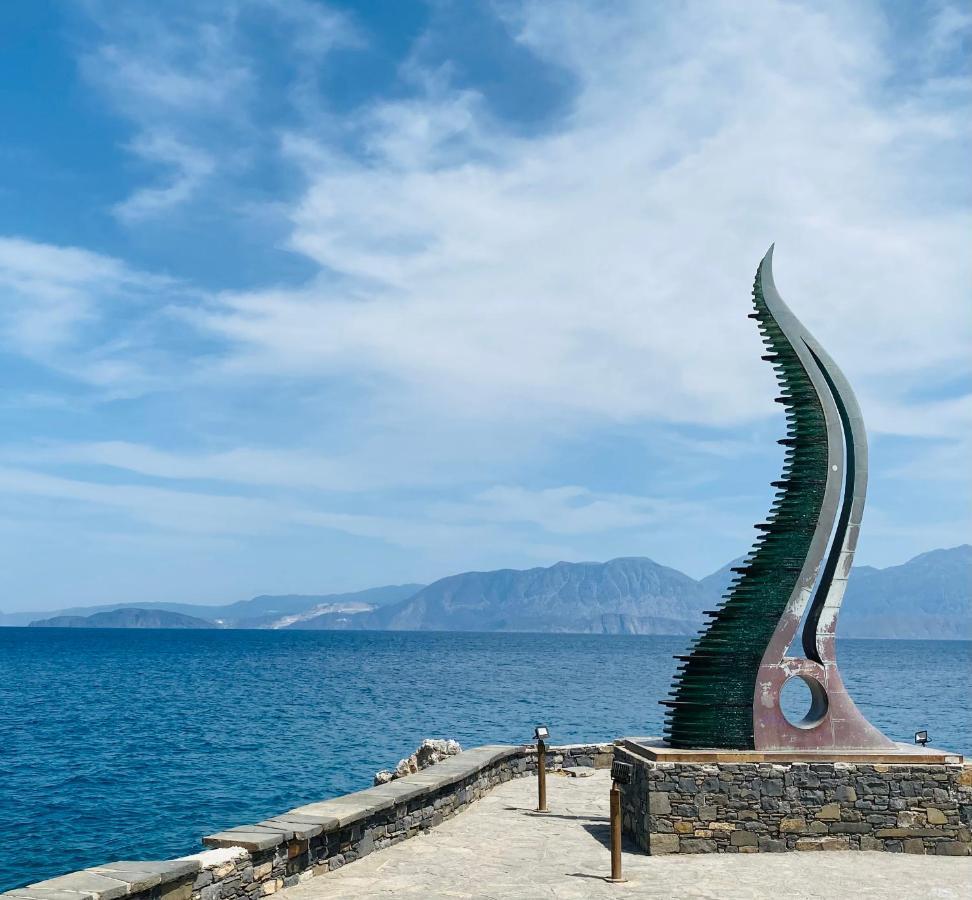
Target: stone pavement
column 500, row 849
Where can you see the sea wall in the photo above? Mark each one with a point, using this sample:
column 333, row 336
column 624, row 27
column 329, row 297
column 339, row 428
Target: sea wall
column 251, row 861
column 682, row 807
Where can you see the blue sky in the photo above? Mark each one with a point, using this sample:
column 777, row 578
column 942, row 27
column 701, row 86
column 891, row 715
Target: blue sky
column 307, row 296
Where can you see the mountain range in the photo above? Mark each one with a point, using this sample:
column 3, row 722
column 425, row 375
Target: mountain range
column 929, row 596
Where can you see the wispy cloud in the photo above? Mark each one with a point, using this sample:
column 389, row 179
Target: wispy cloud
column 192, row 84
column 189, row 167
column 80, row 313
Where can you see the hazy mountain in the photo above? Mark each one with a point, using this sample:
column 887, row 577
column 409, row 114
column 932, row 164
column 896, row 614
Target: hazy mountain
column 277, row 611
column 929, row 596
column 623, row 596
column 717, row 583
column 260, row 612
column 125, row 618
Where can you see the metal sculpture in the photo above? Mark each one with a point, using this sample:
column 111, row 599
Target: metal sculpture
column 726, row 692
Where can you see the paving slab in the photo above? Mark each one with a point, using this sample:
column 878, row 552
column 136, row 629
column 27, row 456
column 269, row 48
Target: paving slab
column 349, row 808
column 500, row 848
column 89, row 884
column 303, row 831
column 140, row 875
column 247, row 839
column 32, row 893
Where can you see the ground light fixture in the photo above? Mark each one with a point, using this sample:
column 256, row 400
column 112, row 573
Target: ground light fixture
column 540, row 734
column 620, row 774
column 921, row 737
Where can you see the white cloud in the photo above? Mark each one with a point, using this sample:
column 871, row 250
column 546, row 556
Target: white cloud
column 603, row 269
column 48, row 290
column 78, row 312
column 181, row 511
column 191, row 512
column 242, row 465
column 191, row 84
column 565, row 510
column 189, row 167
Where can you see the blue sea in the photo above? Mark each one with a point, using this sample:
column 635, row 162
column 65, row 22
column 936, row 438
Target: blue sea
column 134, row 744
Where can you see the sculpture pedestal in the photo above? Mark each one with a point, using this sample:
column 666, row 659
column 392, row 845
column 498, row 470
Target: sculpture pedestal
column 911, row 799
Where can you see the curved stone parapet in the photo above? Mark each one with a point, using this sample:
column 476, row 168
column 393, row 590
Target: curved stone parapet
column 256, row 860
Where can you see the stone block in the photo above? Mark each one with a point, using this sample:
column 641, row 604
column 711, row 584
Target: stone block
column 684, row 827
column 90, row 884
column 771, row 845
column 662, row 844
column 176, row 891
column 830, row 812
column 907, row 832
column 936, row 816
column 850, row 828
column 659, row 804
column 953, row 848
column 772, row 787
column 247, row 839
column 793, row 826
column 262, row 871
column 697, row 845
column 743, row 839
column 34, row 893
column 914, row 845
column 846, row 794
column 822, row 843
column 834, row 843
column 303, row 831
column 140, row 876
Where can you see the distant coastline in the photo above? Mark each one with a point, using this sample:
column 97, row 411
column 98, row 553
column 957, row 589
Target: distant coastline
column 928, row 597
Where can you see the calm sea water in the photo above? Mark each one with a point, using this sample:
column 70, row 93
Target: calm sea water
column 134, row 744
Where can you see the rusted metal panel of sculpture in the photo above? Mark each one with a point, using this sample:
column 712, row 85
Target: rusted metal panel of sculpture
column 726, row 692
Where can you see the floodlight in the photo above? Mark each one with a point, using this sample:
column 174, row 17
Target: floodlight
column 621, row 772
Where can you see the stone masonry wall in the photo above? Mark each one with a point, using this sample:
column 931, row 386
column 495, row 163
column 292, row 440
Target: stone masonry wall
column 253, row 861
column 674, row 807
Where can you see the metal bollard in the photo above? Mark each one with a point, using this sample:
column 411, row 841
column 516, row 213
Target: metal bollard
column 541, row 776
column 540, row 733
column 620, row 774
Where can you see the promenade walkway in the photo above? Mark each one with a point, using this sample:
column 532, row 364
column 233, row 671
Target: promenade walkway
column 500, row 849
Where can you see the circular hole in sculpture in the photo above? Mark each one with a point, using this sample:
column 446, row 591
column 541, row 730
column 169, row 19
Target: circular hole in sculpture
column 803, row 701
